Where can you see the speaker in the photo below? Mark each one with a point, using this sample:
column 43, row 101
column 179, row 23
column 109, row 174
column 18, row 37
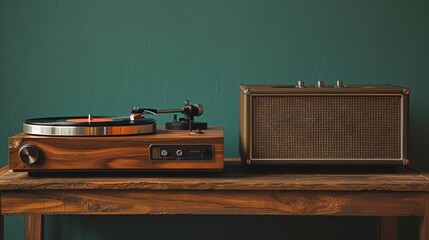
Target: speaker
column 323, row 124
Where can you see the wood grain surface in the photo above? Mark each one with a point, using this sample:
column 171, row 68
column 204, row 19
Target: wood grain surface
column 119, row 153
column 424, row 221
column 213, row 202
column 232, row 178
column 33, row 227
column 235, row 191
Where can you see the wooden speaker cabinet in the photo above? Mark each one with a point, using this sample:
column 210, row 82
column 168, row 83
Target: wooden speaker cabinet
column 324, row 125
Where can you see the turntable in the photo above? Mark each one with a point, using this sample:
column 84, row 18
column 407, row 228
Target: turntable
column 111, row 144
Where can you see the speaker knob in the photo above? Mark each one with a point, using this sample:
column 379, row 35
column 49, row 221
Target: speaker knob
column 29, row 154
column 300, row 84
column 320, row 84
column 340, row 84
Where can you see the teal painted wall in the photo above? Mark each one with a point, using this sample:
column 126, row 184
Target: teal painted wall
column 103, row 57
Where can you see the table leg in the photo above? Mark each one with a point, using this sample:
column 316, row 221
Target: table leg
column 387, row 228
column 1, row 227
column 424, row 221
column 33, row 227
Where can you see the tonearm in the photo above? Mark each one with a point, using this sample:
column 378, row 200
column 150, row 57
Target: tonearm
column 187, row 122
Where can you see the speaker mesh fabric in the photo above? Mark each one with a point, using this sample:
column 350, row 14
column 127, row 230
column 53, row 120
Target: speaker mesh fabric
column 326, row 127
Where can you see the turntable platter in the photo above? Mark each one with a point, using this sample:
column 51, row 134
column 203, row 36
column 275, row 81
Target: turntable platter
column 88, row 126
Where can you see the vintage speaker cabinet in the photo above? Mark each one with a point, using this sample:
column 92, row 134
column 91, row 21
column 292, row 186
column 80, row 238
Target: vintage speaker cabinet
column 323, row 125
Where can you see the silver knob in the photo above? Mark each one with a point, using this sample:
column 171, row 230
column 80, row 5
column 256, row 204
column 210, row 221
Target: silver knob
column 320, row 84
column 340, row 84
column 29, row 154
column 179, row 153
column 300, row 84
column 164, row 153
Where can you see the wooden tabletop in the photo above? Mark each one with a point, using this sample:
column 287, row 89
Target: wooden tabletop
column 235, row 191
column 234, row 177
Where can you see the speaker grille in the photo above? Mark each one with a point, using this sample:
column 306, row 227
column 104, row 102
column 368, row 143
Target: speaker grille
column 326, row 127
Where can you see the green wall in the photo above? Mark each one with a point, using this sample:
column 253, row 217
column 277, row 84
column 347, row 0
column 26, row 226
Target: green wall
column 104, row 57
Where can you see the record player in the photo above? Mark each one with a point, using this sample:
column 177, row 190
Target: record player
column 112, row 144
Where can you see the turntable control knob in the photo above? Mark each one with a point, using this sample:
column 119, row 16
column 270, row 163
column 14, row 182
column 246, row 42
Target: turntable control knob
column 207, row 154
column 29, row 154
column 164, row 153
column 179, row 153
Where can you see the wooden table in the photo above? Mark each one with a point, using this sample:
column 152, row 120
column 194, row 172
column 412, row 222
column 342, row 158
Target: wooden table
column 232, row 192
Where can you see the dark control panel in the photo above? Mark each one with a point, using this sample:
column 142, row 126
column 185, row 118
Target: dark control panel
column 181, row 152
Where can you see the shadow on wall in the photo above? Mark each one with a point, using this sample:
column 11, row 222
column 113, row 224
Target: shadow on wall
column 418, row 140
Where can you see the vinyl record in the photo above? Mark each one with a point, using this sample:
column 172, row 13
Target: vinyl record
column 88, row 126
